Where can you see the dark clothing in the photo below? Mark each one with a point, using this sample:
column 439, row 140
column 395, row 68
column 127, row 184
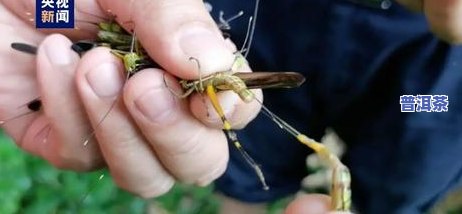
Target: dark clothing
column 358, row 61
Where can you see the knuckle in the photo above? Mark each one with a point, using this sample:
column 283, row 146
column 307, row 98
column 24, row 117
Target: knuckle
column 190, row 163
column 189, row 145
column 156, row 190
column 240, row 119
column 208, row 166
column 213, row 172
column 68, row 159
column 152, row 189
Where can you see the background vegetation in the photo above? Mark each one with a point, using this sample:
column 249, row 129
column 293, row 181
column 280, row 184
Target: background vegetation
column 30, row 185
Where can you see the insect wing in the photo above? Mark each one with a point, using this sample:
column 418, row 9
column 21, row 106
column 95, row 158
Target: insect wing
column 266, row 80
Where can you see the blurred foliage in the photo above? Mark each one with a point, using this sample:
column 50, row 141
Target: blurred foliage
column 451, row 204
column 187, row 199
column 30, row 185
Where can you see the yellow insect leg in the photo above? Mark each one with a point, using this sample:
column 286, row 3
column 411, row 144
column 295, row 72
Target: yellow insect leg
column 233, row 136
column 341, row 178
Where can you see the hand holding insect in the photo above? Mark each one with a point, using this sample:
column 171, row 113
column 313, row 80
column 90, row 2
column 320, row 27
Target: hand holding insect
column 151, row 137
column 99, row 82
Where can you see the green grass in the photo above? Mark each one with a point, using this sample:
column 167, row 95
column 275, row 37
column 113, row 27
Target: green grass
column 30, row 185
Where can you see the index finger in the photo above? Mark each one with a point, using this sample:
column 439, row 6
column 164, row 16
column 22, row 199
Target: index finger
column 172, row 31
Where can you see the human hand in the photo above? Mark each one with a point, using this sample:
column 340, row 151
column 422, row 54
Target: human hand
column 311, row 204
column 150, row 138
column 444, row 17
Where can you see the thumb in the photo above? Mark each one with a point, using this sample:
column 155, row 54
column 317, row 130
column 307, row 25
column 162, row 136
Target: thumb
column 311, row 204
column 172, row 31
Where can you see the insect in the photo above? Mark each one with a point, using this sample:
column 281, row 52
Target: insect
column 341, row 178
column 227, row 80
column 34, row 105
column 239, row 82
column 112, row 35
column 122, row 43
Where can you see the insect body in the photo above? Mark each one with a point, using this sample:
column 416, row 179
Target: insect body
column 341, row 178
column 240, row 83
column 123, row 44
column 235, row 83
column 223, row 79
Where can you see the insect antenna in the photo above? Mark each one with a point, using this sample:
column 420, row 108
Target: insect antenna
column 106, row 17
column 250, row 30
column 120, row 55
column 25, row 48
column 341, row 178
column 208, row 6
column 224, row 23
column 3, row 122
column 92, row 187
column 34, row 106
column 93, row 132
column 102, row 18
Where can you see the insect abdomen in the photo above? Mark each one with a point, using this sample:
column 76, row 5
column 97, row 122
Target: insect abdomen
column 236, row 84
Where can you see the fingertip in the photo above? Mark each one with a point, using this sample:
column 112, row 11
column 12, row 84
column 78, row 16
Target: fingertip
column 156, row 190
column 56, row 50
column 209, row 49
column 150, row 100
column 246, row 112
column 202, row 108
column 176, row 31
column 309, row 204
column 237, row 112
column 100, row 75
column 190, row 151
